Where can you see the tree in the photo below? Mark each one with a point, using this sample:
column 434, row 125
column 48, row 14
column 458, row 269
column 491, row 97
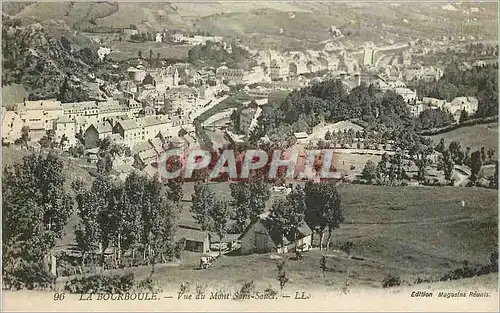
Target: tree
column 139, row 54
column 475, row 166
column 175, row 192
column 323, row 208
column 35, row 210
column 25, row 134
column 150, row 54
column 456, row 152
column 159, row 221
column 440, row 147
column 382, row 167
column 395, row 171
column 63, row 140
column 249, row 200
column 87, row 232
column 448, row 166
column 288, row 215
column 464, row 116
column 328, row 135
column 494, row 179
column 420, row 150
column 483, row 155
column 491, row 153
column 219, row 214
column 369, row 172
column 105, row 163
column 203, row 200
column 282, row 274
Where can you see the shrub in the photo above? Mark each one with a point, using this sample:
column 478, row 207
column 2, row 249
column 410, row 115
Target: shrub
column 247, row 289
column 391, row 281
column 149, row 285
column 30, row 276
column 347, row 247
column 494, row 260
column 101, row 283
column 282, row 275
column 468, row 271
column 179, row 247
column 270, row 292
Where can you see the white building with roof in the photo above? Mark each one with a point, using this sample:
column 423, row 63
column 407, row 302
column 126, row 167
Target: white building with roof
column 409, row 96
column 39, row 115
column 459, row 104
column 139, row 130
column 11, row 126
column 65, row 127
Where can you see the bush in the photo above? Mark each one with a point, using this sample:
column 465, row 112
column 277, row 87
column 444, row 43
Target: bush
column 391, row 281
column 468, row 271
column 270, row 292
column 28, row 276
column 246, row 289
column 179, row 247
column 494, row 260
column 420, row 280
column 147, row 284
column 347, row 247
column 101, row 283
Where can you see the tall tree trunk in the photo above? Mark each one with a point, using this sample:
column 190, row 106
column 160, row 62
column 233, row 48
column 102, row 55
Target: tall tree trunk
column 115, row 258
column 119, row 249
column 220, row 244
column 84, row 256
column 320, row 233
column 329, row 238
column 295, row 239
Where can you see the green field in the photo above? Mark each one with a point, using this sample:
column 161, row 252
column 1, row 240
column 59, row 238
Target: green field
column 410, row 231
column 476, row 136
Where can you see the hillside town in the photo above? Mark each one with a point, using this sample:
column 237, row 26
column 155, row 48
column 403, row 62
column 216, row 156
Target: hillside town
column 160, row 101
column 409, row 122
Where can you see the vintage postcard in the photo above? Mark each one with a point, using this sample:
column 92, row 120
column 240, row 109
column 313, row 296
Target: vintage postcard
column 250, row 156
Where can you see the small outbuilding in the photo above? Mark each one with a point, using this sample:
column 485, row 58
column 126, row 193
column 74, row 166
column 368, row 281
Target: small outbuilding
column 261, row 237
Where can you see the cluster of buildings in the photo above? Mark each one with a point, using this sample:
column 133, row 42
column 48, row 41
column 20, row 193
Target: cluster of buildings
column 176, row 90
column 125, row 122
column 258, row 237
column 455, row 107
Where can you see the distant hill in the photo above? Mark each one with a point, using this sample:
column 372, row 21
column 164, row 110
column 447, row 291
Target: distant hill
column 13, row 93
column 475, row 137
column 41, row 62
column 299, row 20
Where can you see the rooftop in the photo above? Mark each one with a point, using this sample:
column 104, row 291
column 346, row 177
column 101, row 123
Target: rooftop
column 301, row 135
column 50, row 104
column 102, row 127
column 191, row 234
column 303, row 229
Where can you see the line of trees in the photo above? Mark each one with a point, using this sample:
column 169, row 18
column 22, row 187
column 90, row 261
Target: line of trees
column 135, row 215
column 35, row 210
column 210, row 212
column 328, row 101
column 212, row 54
column 318, row 205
